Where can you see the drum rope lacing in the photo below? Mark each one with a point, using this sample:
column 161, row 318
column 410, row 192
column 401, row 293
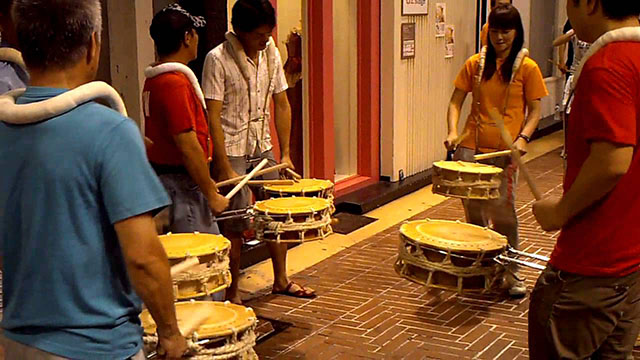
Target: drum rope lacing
column 265, row 224
column 235, row 346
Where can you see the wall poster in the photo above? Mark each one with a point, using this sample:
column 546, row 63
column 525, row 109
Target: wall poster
column 408, row 41
column 415, row 7
column 441, row 19
column 449, row 41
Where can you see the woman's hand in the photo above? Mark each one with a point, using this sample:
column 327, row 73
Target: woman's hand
column 521, row 145
column 451, row 142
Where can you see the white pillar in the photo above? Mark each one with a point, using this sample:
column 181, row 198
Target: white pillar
column 131, row 50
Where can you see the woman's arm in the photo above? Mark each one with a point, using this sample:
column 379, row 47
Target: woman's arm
column 453, row 116
column 534, row 110
column 564, row 38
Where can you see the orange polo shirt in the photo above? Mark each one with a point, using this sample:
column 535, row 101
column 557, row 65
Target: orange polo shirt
column 528, row 85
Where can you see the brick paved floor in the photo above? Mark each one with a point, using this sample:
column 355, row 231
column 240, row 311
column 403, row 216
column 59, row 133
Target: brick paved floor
column 365, row 311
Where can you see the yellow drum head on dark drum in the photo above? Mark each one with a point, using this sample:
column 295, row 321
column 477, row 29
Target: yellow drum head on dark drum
column 454, row 236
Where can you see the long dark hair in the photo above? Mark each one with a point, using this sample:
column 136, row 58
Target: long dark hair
column 504, row 17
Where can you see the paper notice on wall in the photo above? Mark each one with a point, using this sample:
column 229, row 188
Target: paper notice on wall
column 449, row 41
column 408, row 40
column 441, row 19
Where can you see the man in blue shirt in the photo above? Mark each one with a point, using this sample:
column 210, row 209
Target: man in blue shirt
column 13, row 74
column 77, row 238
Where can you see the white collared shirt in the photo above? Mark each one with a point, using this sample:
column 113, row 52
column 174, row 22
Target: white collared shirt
column 222, row 80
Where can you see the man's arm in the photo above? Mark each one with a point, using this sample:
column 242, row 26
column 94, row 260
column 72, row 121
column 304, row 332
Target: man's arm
column 148, row 269
column 220, row 158
column 283, row 125
column 600, row 173
column 193, row 158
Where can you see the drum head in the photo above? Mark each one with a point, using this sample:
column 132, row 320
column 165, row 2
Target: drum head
column 179, row 246
column 454, row 236
column 467, row 167
column 301, row 187
column 292, row 205
column 224, row 319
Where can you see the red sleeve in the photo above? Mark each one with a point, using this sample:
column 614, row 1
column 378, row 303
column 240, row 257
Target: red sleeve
column 175, row 103
column 611, row 109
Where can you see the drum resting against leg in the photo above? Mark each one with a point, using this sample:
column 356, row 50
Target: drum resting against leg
column 292, row 219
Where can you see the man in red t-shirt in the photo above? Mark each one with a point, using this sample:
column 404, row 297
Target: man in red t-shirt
column 586, row 304
column 177, row 125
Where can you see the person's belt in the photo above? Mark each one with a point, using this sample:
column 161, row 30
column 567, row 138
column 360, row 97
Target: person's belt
column 162, row 169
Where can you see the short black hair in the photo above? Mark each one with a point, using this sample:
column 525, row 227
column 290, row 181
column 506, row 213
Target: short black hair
column 248, row 15
column 618, row 9
column 55, row 34
column 167, row 30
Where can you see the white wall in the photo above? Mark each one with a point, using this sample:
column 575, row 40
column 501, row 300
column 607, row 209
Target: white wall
column 416, row 92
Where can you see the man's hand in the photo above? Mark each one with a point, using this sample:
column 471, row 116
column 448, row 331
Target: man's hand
column 521, row 145
column 147, row 143
column 218, row 203
column 286, row 159
column 451, row 142
column 172, row 347
column 549, row 215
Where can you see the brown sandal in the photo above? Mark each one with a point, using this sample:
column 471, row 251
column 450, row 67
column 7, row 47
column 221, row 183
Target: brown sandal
column 300, row 293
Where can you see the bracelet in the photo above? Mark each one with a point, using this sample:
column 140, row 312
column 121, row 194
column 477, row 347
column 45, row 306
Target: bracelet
column 525, row 138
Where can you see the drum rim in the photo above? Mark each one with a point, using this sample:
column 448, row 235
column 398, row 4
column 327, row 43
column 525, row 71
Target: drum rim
column 240, row 325
column 310, row 185
column 422, row 240
column 217, row 243
column 487, row 169
column 320, row 205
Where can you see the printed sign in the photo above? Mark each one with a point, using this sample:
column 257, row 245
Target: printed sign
column 415, row 7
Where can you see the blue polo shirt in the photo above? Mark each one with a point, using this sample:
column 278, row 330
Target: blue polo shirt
column 64, row 183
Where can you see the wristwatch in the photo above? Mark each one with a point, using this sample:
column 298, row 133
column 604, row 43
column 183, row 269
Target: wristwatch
column 525, row 138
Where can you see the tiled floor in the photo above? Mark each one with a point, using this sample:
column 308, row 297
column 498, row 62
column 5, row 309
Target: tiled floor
column 365, row 311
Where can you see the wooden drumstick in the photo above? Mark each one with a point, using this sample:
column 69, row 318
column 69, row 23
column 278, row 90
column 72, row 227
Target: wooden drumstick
column 293, row 174
column 247, row 178
column 189, row 326
column 515, row 154
column 237, row 179
column 184, row 266
column 271, row 182
column 492, row 155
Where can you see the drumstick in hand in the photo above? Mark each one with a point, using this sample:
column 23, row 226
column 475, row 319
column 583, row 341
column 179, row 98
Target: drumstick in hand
column 515, row 154
column 293, row 174
column 247, row 178
column 184, row 266
column 189, row 326
column 237, row 179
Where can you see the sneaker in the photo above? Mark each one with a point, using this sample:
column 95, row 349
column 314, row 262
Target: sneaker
column 515, row 286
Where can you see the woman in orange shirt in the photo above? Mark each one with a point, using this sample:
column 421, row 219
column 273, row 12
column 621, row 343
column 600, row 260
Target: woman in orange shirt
column 484, row 34
column 515, row 91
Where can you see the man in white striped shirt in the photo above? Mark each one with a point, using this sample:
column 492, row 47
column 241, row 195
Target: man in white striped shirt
column 239, row 78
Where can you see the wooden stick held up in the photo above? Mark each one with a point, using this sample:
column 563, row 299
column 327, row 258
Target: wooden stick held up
column 236, row 180
column 247, row 178
column 492, row 155
column 271, row 182
column 515, row 154
column 293, row 174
